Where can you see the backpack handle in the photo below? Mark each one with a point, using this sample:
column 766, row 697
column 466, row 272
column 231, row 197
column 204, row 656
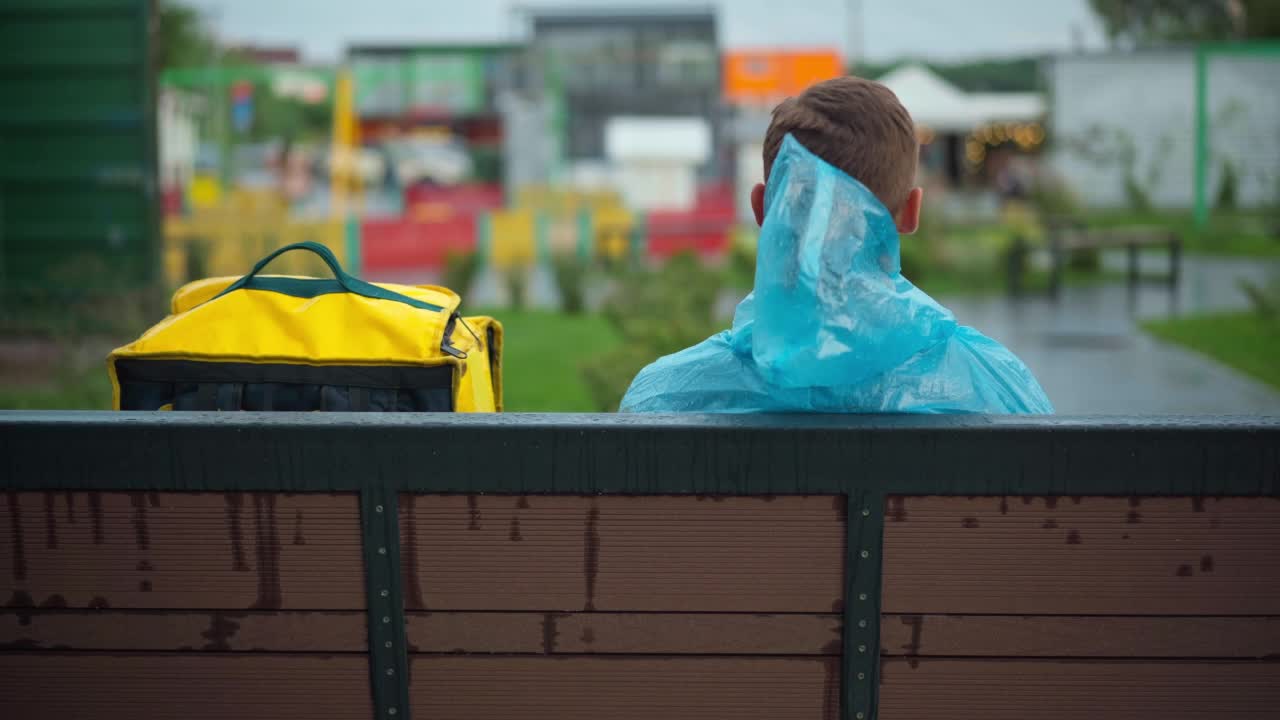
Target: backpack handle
column 323, row 252
column 348, row 282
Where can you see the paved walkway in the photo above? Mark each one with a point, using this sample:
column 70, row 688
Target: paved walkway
column 1092, row 358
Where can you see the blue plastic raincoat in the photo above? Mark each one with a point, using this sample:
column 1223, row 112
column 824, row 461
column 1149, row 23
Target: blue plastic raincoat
column 832, row 325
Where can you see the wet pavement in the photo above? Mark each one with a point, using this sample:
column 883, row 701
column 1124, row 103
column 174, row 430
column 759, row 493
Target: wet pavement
column 1092, row 358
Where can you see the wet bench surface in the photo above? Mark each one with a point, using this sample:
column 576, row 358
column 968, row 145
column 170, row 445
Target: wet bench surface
column 653, row 567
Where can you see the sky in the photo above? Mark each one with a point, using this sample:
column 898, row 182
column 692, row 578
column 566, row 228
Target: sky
column 883, row 29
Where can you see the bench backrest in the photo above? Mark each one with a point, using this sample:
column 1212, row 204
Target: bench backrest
column 609, row 566
column 1080, row 238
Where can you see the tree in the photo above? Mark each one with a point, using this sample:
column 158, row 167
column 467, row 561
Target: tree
column 181, row 37
column 1137, row 23
column 287, row 118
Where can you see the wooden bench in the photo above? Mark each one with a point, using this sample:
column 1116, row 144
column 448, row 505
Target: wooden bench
column 449, row 566
column 1067, row 237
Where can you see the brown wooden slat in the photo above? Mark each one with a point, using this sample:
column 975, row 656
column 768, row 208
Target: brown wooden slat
column 699, row 633
column 470, row 632
column 657, row 633
column 184, row 630
column 1097, row 690
column 181, row 550
column 647, row 633
column 1121, row 556
column 652, row 553
column 445, row 687
column 1088, row 636
column 247, row 687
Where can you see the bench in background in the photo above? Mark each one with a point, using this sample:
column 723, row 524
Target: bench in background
column 1065, row 238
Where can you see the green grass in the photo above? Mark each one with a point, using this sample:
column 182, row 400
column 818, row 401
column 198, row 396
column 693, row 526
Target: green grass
column 542, row 352
column 1239, row 234
column 83, row 390
column 78, row 332
column 1245, row 341
column 1259, row 246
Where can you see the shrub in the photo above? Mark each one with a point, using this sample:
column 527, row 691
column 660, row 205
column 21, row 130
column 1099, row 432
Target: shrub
column 1053, row 199
column 1265, row 298
column 1136, row 195
column 460, row 271
column 924, row 252
column 197, row 259
column 517, row 287
column 571, row 278
column 656, row 312
column 742, row 259
column 1229, row 187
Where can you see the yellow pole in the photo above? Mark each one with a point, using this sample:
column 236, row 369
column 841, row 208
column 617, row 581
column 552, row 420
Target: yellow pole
column 344, row 179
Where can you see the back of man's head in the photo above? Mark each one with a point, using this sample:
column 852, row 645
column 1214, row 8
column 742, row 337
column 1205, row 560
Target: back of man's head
column 856, row 125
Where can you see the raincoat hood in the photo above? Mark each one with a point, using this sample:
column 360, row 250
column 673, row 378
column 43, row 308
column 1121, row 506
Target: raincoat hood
column 830, row 305
column 832, row 325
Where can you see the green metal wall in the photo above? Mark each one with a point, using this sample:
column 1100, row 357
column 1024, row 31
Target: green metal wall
column 79, row 200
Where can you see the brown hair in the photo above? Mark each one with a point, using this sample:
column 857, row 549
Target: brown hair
column 856, row 125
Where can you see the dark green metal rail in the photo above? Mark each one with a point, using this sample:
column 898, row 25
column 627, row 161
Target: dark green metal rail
column 862, row 457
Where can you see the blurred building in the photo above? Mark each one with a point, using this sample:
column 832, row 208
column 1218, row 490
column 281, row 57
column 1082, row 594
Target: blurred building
column 178, row 143
column 267, row 54
column 644, row 62
column 760, row 79
column 754, row 82
column 655, row 160
column 434, row 109
column 967, row 140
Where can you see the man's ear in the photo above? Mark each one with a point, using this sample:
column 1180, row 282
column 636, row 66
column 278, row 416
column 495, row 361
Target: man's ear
column 757, row 202
column 908, row 216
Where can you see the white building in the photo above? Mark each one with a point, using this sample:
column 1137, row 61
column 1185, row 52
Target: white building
column 655, row 160
column 1121, row 121
column 178, row 140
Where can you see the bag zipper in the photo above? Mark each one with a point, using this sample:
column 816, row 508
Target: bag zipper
column 445, row 344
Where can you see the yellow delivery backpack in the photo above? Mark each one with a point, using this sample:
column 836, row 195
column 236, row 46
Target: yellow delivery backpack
column 269, row 342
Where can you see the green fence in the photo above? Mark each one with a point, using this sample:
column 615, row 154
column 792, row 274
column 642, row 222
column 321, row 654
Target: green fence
column 1237, row 98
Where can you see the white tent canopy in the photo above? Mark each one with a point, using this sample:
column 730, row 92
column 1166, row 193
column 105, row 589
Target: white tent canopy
column 937, row 104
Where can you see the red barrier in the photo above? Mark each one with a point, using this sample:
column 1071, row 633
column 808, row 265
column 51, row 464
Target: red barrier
column 172, row 203
column 672, row 236
column 402, row 244
column 705, row 230
column 435, row 201
column 718, row 199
